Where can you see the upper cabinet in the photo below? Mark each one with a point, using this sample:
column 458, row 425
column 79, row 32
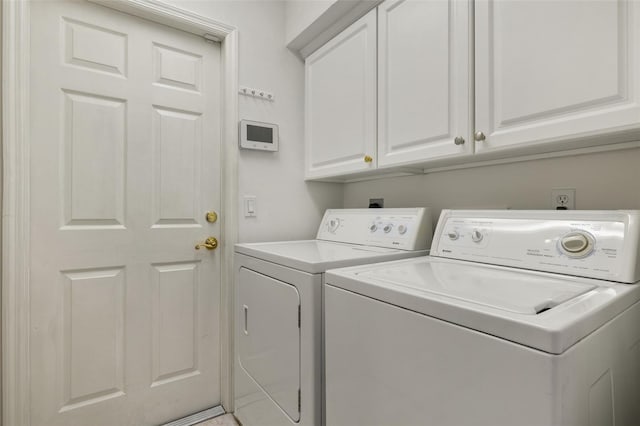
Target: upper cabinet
column 548, row 71
column 340, row 102
column 409, row 104
column 423, row 80
column 458, row 81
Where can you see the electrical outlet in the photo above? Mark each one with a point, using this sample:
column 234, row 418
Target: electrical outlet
column 563, row 198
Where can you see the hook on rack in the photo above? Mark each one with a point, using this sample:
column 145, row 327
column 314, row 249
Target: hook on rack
column 256, row 93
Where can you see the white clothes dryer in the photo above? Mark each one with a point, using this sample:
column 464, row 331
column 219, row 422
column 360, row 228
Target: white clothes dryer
column 516, row 318
column 278, row 338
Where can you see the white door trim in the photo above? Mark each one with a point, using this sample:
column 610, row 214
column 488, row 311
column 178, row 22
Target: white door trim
column 15, row 191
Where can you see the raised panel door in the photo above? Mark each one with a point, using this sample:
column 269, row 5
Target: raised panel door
column 125, row 143
column 340, row 104
column 423, row 81
column 548, row 71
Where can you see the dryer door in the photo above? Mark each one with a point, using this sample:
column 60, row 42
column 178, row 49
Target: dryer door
column 269, row 337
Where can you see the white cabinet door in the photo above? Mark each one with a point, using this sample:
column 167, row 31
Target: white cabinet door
column 551, row 70
column 423, row 80
column 340, row 104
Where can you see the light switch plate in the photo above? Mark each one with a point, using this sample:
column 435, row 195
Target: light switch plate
column 250, row 204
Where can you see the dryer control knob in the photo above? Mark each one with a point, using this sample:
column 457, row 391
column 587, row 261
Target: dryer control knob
column 476, row 236
column 388, row 227
column 453, row 235
column 373, row 227
column 333, row 225
column 402, row 229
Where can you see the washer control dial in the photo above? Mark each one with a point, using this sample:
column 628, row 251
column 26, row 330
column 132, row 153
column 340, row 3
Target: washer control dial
column 577, row 244
column 402, row 229
column 373, row 227
column 388, row 227
column 453, row 235
column 476, row 236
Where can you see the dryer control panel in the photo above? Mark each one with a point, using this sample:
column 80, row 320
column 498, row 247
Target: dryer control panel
column 405, row 229
column 594, row 244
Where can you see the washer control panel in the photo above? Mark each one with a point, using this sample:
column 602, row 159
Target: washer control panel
column 406, row 229
column 591, row 244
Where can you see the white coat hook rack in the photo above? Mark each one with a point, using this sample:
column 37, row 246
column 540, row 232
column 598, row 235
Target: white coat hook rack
column 256, row 93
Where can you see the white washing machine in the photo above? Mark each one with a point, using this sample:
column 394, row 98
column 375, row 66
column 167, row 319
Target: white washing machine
column 278, row 374
column 516, row 318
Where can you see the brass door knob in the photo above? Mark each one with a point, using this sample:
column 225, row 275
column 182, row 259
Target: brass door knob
column 210, row 244
column 368, row 159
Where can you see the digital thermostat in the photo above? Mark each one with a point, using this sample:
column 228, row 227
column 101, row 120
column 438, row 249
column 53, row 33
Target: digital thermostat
column 257, row 135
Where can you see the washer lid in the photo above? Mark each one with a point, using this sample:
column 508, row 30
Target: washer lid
column 504, row 302
column 316, row 256
column 501, row 289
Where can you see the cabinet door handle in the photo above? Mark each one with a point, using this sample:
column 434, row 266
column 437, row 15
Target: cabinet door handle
column 368, row 159
column 479, row 136
column 459, row 140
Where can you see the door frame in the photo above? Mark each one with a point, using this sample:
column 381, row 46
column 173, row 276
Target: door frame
column 15, row 250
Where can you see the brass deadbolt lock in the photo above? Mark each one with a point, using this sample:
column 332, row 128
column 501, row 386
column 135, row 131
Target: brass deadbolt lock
column 211, row 217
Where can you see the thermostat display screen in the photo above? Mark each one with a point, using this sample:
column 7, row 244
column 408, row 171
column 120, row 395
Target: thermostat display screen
column 259, row 134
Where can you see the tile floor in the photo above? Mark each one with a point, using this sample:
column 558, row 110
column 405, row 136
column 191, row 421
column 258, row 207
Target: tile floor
column 225, row 420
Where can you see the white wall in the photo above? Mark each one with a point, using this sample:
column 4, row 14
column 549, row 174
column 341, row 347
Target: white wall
column 288, row 208
column 602, row 181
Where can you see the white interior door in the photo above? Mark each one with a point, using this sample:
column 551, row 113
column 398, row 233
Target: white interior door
column 125, row 163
